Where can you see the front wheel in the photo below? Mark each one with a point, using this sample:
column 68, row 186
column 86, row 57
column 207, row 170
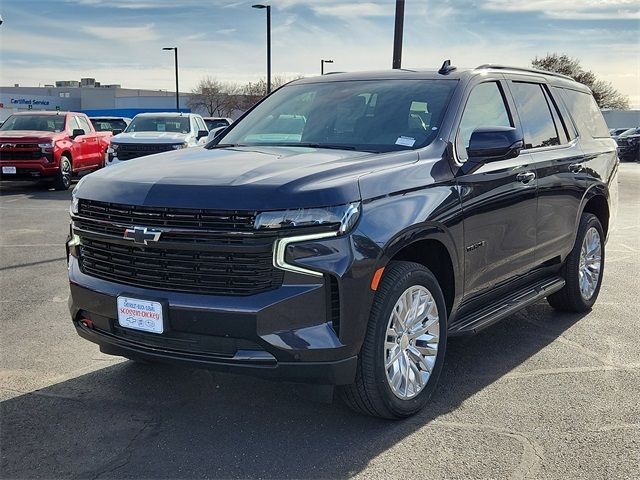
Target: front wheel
column 403, row 352
column 582, row 269
column 63, row 177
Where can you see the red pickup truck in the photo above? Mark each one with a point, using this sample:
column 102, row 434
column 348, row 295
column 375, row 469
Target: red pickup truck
column 50, row 145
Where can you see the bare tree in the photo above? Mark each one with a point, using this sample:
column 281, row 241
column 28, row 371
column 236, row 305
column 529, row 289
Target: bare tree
column 253, row 92
column 605, row 94
column 217, row 98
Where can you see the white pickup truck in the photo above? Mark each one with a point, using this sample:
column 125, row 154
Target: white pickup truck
column 150, row 133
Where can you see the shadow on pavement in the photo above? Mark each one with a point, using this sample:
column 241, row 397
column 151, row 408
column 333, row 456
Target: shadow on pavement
column 131, row 420
column 35, row 190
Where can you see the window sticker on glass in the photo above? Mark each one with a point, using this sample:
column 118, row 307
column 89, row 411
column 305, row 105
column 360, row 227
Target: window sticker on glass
column 405, row 141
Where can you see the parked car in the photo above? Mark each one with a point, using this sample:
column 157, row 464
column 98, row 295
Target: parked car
column 115, row 125
column 150, row 133
column 614, row 132
column 215, row 122
column 50, row 145
column 629, row 145
column 346, row 249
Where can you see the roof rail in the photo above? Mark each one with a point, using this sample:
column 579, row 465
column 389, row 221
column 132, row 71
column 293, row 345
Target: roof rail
column 522, row 69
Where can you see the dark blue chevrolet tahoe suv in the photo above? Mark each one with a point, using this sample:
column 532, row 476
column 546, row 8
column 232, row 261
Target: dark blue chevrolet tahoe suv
column 347, row 225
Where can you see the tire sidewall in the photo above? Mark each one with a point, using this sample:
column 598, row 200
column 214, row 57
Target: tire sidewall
column 589, row 221
column 399, row 407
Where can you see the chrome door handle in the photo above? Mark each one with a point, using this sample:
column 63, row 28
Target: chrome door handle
column 525, row 177
column 576, row 167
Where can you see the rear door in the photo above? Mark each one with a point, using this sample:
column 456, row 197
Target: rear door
column 551, row 140
column 498, row 198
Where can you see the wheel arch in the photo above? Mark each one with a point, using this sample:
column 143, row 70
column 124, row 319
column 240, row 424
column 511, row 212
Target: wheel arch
column 432, row 247
column 596, row 202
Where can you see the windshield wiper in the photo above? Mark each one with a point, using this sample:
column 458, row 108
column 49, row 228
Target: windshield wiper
column 331, row 146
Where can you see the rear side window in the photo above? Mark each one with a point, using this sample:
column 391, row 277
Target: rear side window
column 538, row 127
column 585, row 111
column 485, row 108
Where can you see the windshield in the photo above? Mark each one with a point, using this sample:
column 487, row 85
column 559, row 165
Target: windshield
column 159, row 124
column 41, row 123
column 108, row 125
column 367, row 115
column 631, row 131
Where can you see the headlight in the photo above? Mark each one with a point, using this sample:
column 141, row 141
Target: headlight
column 343, row 218
column 113, row 148
column 73, row 209
column 179, row 146
column 47, row 146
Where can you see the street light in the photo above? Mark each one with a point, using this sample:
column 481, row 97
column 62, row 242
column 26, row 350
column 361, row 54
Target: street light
column 268, row 7
column 322, row 62
column 175, row 50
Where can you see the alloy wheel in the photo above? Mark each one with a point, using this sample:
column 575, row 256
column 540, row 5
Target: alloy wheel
column 411, row 343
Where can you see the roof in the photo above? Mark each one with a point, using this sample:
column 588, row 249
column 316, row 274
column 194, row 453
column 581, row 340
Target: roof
column 164, row 114
column 451, row 74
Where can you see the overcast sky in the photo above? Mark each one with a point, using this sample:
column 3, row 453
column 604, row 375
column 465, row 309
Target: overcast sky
column 120, row 41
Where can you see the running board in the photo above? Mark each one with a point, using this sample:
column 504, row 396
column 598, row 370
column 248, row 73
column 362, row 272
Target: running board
column 475, row 321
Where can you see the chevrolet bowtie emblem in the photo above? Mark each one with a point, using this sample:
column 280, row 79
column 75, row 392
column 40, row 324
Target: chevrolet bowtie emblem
column 142, row 235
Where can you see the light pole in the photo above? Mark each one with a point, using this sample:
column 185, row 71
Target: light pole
column 268, row 7
column 397, row 35
column 175, row 50
column 322, row 62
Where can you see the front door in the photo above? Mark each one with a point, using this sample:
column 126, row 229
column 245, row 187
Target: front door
column 498, row 198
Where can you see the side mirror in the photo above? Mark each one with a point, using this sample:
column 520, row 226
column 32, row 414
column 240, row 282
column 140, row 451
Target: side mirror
column 77, row 132
column 489, row 144
column 201, row 134
column 116, row 131
column 215, row 133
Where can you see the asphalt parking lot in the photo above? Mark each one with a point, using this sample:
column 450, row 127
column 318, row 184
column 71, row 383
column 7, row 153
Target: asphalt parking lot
column 540, row 395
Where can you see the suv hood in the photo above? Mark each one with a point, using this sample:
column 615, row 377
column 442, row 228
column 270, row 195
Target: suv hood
column 150, row 137
column 243, row 178
column 29, row 136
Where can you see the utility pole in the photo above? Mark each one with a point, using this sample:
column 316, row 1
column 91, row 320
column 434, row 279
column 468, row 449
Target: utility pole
column 397, row 36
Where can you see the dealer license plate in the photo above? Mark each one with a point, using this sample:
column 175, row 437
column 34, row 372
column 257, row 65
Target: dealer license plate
column 9, row 170
column 139, row 314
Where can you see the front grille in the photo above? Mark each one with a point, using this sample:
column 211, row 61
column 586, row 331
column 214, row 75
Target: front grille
column 20, row 155
column 177, row 218
column 195, row 253
column 127, row 151
column 215, row 273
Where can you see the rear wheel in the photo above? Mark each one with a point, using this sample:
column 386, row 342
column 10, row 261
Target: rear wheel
column 403, row 352
column 582, row 269
column 63, row 177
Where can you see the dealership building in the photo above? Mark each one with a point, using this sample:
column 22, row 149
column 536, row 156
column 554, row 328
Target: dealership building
column 90, row 97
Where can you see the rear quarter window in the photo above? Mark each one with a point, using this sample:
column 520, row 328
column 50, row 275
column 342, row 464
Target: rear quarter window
column 585, row 112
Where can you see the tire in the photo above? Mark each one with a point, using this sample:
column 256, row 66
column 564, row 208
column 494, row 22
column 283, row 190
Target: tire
column 573, row 298
column 372, row 392
column 63, row 177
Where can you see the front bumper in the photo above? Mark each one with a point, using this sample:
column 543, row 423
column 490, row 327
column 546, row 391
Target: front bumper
column 29, row 170
column 290, row 333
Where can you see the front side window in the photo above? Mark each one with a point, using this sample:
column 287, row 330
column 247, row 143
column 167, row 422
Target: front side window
column 485, row 108
column 538, row 127
column 367, row 115
column 84, row 124
column 40, row 123
column 159, row 124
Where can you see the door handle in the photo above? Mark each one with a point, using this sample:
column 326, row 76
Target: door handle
column 576, row 167
column 525, row 177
